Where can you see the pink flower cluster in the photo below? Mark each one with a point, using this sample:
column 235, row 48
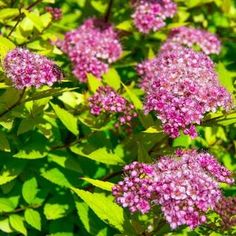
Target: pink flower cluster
column 185, row 186
column 226, row 209
column 91, row 48
column 55, row 12
column 181, row 86
column 27, row 69
column 108, row 101
column 151, row 14
column 190, row 37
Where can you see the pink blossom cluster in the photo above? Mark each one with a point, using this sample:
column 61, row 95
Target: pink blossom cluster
column 226, row 209
column 151, row 14
column 181, row 86
column 55, row 12
column 183, row 185
column 91, row 48
column 106, row 100
column 27, row 69
column 208, row 42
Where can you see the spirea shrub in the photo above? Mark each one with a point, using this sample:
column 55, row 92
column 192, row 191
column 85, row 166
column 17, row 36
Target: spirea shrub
column 117, row 117
column 185, row 185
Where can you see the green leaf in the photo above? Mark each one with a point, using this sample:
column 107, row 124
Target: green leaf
column 17, row 223
column 143, row 155
column 100, row 184
column 48, row 93
column 57, row 177
column 126, row 25
column 66, row 118
column 5, row 46
column 46, row 19
column 226, row 120
column 7, row 13
column 72, row 99
column 33, row 218
column 29, row 190
column 89, row 219
column 49, row 1
column 11, row 170
column 34, row 148
column 100, row 155
column 112, row 78
column 4, row 144
column 5, row 226
column 93, row 82
column 104, row 207
column 54, row 211
column 6, row 205
column 68, row 161
column 153, row 130
column 225, row 76
column 99, row 6
column 133, row 97
column 151, row 53
column 25, row 125
column 28, row 124
column 182, row 141
column 35, row 19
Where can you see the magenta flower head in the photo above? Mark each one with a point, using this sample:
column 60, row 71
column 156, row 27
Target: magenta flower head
column 206, row 41
column 26, row 69
column 185, row 185
column 151, row 14
column 181, row 86
column 106, row 100
column 55, row 12
column 91, row 48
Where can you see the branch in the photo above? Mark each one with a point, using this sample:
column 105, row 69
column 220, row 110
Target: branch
column 14, row 105
column 108, row 12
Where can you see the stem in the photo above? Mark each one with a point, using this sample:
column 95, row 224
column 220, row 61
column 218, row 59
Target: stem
column 23, row 208
column 112, row 175
column 108, row 12
column 20, row 16
column 14, row 105
column 218, row 118
column 33, row 4
column 17, row 22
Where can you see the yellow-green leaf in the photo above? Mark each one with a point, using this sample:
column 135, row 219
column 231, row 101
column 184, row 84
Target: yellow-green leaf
column 17, row 223
column 99, row 183
column 66, row 118
column 112, row 78
column 32, row 217
column 104, row 207
column 93, row 82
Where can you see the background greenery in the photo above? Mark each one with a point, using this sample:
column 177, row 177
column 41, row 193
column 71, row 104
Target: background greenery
column 57, row 161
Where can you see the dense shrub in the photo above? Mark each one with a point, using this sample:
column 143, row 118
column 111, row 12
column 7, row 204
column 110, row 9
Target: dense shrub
column 117, row 117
